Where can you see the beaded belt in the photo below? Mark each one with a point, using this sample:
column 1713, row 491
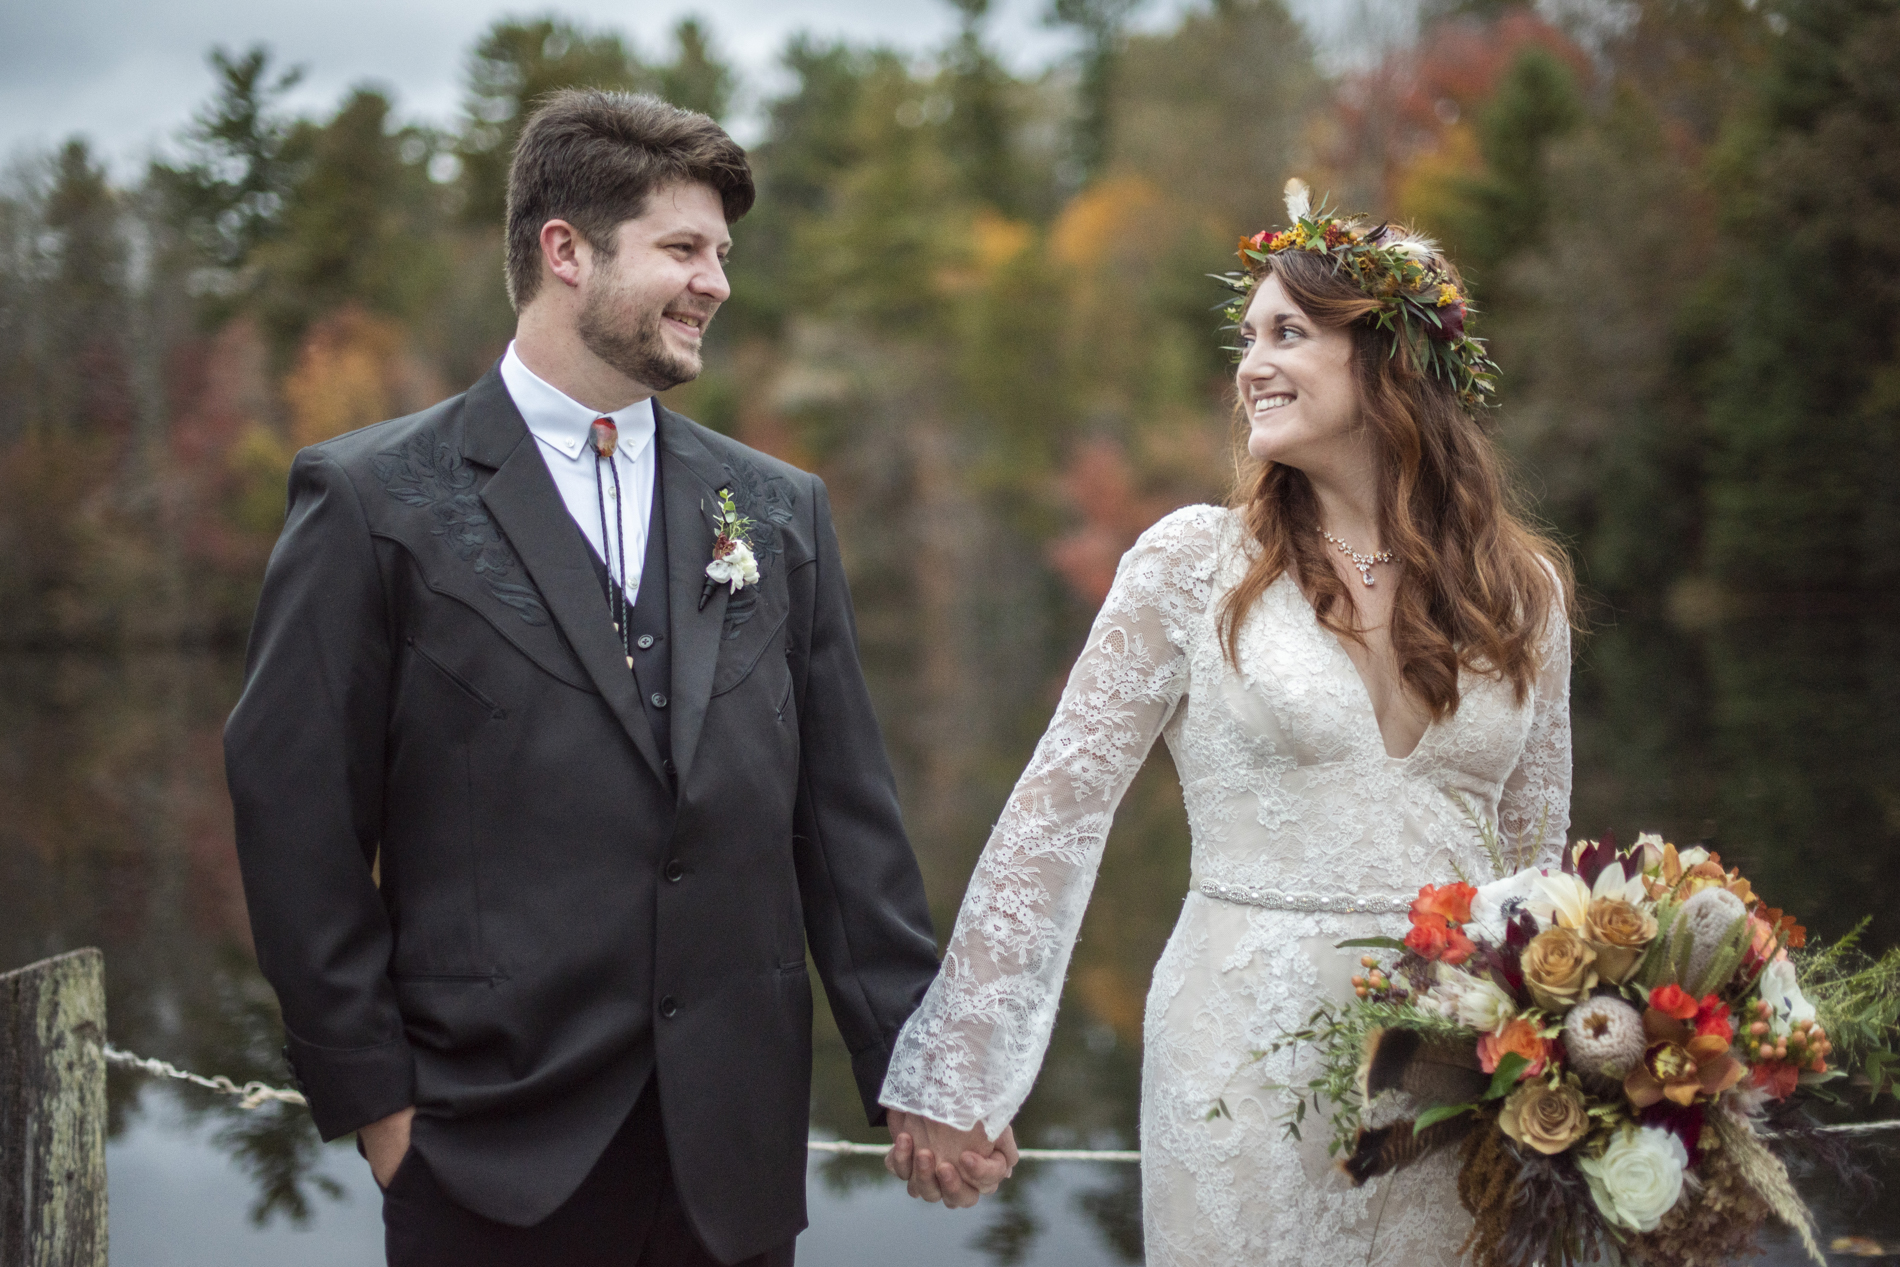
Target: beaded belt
column 1278, row 900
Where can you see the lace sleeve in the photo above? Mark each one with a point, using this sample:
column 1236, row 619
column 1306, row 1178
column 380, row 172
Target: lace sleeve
column 1534, row 808
column 972, row 1050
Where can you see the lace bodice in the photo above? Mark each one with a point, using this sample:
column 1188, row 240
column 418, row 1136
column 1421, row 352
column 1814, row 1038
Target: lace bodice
column 1287, row 784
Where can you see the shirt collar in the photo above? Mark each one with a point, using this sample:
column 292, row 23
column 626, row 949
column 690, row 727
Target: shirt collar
column 563, row 423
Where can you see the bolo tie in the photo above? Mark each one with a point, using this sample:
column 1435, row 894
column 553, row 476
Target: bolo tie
column 606, row 438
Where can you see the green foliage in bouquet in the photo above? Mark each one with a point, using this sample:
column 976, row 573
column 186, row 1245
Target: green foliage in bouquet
column 1857, row 998
column 1338, row 1033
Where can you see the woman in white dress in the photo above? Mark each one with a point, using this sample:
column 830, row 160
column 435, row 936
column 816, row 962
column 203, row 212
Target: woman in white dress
column 1355, row 667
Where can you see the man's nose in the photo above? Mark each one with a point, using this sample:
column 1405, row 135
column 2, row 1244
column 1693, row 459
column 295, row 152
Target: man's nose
column 711, row 282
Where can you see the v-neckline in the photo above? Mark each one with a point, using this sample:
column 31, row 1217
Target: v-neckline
column 1365, row 691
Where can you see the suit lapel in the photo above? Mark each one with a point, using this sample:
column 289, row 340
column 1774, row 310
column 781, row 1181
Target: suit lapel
column 523, row 499
column 691, row 480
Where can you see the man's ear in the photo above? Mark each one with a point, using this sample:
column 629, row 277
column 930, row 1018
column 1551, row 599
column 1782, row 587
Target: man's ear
column 561, row 247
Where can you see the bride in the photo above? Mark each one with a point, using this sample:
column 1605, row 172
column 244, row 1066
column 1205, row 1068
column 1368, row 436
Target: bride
column 1359, row 668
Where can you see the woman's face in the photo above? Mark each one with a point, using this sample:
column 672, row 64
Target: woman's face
column 1296, row 384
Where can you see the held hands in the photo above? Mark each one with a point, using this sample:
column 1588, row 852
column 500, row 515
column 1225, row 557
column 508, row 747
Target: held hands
column 942, row 1163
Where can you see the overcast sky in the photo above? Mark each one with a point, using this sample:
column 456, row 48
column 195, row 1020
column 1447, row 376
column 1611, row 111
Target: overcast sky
column 128, row 73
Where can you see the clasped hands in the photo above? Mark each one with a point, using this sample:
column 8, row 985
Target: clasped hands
column 941, row 1163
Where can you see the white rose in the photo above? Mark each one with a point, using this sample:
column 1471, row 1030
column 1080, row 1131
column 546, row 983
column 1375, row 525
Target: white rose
column 1474, row 1001
column 1783, row 994
column 1561, row 898
column 736, row 568
column 1639, row 1177
column 1694, row 856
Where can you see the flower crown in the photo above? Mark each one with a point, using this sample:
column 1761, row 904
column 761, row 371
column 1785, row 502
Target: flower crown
column 1420, row 303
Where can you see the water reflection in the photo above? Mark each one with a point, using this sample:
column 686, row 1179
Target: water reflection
column 1774, row 740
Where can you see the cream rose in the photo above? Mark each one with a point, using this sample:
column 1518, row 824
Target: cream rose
column 1549, row 1119
column 1560, row 969
column 1620, row 933
column 736, row 567
column 1639, row 1177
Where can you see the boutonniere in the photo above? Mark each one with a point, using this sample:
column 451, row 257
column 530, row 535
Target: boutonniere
column 732, row 562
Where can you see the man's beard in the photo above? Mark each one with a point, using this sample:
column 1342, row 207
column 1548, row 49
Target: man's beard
column 641, row 352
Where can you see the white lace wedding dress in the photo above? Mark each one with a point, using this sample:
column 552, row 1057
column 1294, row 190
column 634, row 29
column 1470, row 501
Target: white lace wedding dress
column 1305, row 833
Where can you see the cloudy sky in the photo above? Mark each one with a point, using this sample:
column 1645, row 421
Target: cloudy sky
column 128, row 73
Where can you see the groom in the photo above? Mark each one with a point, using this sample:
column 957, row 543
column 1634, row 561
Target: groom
column 538, row 816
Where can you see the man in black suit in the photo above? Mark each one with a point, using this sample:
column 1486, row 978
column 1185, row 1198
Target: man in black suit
column 554, row 756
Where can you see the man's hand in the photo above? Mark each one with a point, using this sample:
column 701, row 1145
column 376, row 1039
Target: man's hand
column 941, row 1163
column 385, row 1143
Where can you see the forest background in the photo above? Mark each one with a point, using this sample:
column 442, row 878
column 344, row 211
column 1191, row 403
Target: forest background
column 974, row 299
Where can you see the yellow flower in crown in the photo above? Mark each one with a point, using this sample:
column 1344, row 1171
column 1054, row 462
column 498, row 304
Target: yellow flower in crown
column 1420, row 303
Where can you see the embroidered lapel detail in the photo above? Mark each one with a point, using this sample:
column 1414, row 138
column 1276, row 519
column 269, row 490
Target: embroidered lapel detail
column 768, row 501
column 430, row 475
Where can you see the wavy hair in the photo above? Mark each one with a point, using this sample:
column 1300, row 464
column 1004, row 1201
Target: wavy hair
column 1476, row 583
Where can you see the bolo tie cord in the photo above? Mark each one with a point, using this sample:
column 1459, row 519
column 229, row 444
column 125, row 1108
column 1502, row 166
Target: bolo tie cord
column 605, row 437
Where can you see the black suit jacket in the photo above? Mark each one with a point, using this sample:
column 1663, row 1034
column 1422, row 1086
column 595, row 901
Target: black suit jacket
column 434, row 688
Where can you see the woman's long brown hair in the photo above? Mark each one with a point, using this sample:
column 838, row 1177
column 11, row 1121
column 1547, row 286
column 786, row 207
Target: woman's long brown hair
column 1476, row 585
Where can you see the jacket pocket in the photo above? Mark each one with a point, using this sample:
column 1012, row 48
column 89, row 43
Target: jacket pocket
column 468, row 688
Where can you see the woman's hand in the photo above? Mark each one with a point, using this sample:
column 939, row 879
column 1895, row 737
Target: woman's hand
column 941, row 1163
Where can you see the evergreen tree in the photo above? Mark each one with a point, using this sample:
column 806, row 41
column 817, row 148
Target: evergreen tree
column 1505, row 209
column 1805, row 405
column 360, row 227
column 978, row 133
column 1102, row 24
column 513, row 66
column 85, row 377
column 696, row 79
column 229, row 194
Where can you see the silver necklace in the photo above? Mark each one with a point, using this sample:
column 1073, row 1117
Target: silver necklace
column 1363, row 562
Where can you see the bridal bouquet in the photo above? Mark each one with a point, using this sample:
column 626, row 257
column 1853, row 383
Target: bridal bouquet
column 1606, row 1044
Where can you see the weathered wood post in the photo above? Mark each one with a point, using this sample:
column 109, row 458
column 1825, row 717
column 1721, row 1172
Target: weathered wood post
column 53, row 1113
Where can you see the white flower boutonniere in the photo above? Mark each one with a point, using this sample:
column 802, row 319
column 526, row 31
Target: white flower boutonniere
column 732, row 563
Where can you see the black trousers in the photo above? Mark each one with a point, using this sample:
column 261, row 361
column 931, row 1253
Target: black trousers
column 626, row 1213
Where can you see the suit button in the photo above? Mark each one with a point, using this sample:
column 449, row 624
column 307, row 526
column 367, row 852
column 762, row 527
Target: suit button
column 659, row 700
column 643, row 641
column 669, row 767
column 669, row 1007
column 674, row 871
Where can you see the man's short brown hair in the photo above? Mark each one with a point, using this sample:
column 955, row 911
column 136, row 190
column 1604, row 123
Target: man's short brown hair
column 592, row 158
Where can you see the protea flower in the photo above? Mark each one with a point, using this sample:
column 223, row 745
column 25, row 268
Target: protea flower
column 1604, row 1037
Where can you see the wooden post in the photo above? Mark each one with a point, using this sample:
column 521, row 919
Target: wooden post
column 53, row 1113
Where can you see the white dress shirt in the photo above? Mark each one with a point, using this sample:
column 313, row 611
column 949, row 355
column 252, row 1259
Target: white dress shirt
column 562, row 426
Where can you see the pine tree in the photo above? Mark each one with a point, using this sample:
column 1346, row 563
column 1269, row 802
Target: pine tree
column 515, row 65
column 1805, row 403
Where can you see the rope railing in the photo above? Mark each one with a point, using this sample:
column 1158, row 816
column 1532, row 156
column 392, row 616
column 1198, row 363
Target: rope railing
column 254, row 1095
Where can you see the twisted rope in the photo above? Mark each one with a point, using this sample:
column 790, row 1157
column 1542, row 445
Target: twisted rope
column 254, row 1095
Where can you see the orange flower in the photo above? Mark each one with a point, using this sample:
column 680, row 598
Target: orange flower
column 1712, row 1018
column 1786, row 925
column 1451, row 902
column 1438, row 939
column 1518, row 1037
column 1673, row 1001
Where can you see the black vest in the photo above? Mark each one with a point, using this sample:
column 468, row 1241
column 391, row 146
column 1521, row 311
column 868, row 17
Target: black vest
column 647, row 624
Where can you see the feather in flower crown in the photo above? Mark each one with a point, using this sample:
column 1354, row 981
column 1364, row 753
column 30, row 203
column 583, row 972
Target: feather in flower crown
column 1420, row 302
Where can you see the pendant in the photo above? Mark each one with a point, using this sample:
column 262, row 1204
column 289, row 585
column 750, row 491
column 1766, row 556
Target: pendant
column 606, row 436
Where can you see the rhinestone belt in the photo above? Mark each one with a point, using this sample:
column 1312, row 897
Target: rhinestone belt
column 1278, row 900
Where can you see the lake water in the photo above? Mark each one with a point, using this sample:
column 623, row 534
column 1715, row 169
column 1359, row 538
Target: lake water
column 1775, row 741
